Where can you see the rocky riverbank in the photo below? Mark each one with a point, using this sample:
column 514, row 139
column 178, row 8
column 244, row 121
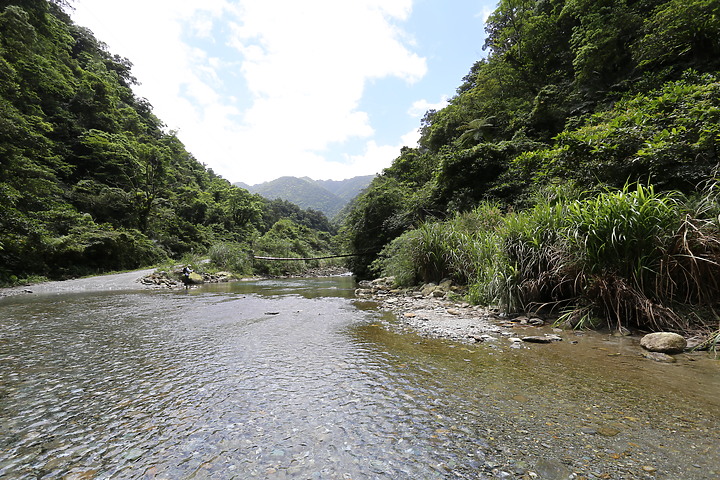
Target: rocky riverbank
column 438, row 311
column 174, row 278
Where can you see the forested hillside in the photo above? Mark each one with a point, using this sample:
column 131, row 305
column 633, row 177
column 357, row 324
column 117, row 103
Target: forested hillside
column 347, row 189
column 326, row 196
column 572, row 92
column 91, row 180
column 575, row 100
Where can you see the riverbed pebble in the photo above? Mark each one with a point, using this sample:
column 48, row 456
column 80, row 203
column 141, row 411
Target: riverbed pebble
column 659, row 357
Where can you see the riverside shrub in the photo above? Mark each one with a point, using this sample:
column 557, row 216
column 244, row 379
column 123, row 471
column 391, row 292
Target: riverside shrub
column 630, row 257
column 231, row 257
column 458, row 249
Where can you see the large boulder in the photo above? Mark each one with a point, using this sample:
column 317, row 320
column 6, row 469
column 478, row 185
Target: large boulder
column 663, row 342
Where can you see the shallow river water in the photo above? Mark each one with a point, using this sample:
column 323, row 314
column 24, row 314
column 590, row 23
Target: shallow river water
column 297, row 379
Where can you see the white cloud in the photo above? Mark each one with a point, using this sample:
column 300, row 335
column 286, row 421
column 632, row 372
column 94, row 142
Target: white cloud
column 307, row 67
column 374, row 157
column 420, row 107
column 486, row 11
column 304, row 65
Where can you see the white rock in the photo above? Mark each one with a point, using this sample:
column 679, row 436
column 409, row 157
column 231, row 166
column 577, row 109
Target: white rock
column 663, row 342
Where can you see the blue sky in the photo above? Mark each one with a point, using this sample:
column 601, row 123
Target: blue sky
column 259, row 89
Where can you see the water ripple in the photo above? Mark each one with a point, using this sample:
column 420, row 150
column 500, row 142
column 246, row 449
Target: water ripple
column 209, row 386
column 291, row 383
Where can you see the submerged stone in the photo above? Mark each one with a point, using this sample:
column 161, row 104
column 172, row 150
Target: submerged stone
column 659, row 357
column 542, row 338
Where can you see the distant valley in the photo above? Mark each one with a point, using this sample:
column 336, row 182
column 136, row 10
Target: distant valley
column 326, row 196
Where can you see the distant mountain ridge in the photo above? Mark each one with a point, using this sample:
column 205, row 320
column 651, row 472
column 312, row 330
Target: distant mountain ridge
column 326, row 196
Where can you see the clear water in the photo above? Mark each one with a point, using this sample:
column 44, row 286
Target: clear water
column 296, row 379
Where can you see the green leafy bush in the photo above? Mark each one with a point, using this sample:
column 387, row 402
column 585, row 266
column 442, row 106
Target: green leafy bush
column 287, row 239
column 231, row 257
column 101, row 249
column 666, row 137
column 456, row 249
column 630, row 257
column 397, row 259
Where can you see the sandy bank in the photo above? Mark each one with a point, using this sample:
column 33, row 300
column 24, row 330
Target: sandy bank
column 101, row 283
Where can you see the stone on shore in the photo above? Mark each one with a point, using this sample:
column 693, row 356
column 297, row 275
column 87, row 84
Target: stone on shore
column 664, row 342
column 195, row 279
column 428, row 289
column 174, row 279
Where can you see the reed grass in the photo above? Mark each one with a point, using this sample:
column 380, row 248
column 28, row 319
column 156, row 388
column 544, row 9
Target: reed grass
column 624, row 233
column 527, row 270
column 630, row 256
column 455, row 249
column 615, row 243
column 232, row 257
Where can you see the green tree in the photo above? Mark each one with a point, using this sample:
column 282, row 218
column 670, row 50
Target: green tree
column 681, row 34
column 377, row 216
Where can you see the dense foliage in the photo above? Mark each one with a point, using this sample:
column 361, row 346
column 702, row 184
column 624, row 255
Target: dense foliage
column 630, row 257
column 574, row 92
column 90, row 180
column 567, row 172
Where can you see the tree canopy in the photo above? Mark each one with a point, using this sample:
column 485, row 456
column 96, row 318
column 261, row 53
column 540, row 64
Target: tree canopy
column 577, row 93
column 90, row 179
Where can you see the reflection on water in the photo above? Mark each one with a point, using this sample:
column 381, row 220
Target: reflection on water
column 342, row 286
column 290, row 379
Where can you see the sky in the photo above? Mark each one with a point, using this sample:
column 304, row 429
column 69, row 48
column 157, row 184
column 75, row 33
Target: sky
column 259, row 89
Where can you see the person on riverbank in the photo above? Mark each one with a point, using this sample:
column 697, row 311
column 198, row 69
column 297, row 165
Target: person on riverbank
column 186, row 271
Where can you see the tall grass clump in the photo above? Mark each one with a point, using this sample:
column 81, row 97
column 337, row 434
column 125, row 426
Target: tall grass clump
column 615, row 244
column 433, row 251
column 624, row 233
column 192, row 259
column 632, row 257
column 523, row 273
column 693, row 269
column 690, row 269
column 231, row 257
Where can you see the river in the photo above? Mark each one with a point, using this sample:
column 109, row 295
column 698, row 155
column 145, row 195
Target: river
column 297, row 379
